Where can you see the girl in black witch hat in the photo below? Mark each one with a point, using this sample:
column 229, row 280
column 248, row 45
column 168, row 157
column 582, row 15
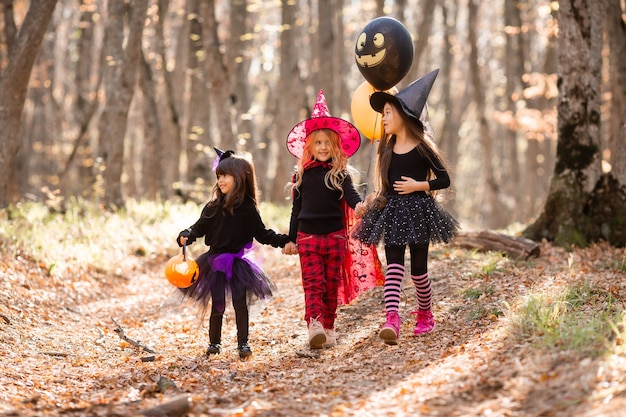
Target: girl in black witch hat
column 229, row 222
column 410, row 168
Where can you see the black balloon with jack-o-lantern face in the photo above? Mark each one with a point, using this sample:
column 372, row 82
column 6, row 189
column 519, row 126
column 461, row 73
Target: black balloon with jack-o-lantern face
column 384, row 52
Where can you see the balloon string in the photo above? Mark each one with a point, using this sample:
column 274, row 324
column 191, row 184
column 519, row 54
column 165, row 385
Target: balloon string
column 185, row 250
column 369, row 165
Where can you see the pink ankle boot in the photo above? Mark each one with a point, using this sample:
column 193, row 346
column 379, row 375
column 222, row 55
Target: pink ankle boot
column 425, row 322
column 390, row 331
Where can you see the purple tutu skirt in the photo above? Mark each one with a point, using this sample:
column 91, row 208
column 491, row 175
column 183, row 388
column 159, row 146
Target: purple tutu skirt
column 407, row 219
column 224, row 274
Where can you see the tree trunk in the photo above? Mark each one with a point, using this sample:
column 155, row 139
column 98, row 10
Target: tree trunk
column 14, row 85
column 219, row 79
column 240, row 43
column 173, row 81
column 289, row 104
column 10, row 30
column 120, row 78
column 199, row 148
column 344, row 63
column 616, row 35
column 88, row 70
column 325, row 39
column 423, row 29
column 493, row 212
column 151, row 170
column 455, row 98
column 514, row 69
column 380, row 8
column 582, row 205
column 541, row 140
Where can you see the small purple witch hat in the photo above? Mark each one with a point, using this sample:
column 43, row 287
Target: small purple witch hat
column 221, row 155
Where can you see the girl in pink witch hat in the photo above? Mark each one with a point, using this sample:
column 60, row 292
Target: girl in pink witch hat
column 323, row 192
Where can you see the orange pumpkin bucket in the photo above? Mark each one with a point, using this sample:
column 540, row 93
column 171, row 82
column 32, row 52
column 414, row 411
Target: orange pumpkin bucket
column 182, row 270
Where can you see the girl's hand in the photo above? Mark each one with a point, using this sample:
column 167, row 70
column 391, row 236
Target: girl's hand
column 408, row 185
column 360, row 209
column 290, row 249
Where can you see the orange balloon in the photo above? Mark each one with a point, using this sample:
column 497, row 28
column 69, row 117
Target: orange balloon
column 182, row 270
column 366, row 119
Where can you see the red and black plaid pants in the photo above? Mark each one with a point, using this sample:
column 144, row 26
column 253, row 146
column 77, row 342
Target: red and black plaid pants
column 321, row 261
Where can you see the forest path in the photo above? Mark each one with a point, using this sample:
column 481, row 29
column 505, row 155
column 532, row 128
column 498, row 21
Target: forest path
column 61, row 355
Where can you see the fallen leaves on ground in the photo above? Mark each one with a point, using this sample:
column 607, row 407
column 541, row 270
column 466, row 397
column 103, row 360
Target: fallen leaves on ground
column 60, row 352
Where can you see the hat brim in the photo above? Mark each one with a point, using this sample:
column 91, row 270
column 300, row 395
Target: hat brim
column 411, row 99
column 379, row 98
column 348, row 134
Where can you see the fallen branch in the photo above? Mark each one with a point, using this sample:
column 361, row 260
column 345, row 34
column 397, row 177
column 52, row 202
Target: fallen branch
column 313, row 354
column 57, row 354
column 486, row 240
column 179, row 406
column 123, row 336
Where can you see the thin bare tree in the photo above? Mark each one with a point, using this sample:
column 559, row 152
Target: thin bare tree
column 197, row 136
column 13, row 87
column 151, row 172
column 490, row 190
column 219, row 76
column 289, row 102
column 120, row 78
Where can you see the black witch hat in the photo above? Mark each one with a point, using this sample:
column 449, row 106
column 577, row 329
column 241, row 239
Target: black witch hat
column 410, row 99
column 221, row 155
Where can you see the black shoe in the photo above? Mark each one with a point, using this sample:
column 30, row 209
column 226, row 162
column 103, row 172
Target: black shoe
column 213, row 349
column 244, row 351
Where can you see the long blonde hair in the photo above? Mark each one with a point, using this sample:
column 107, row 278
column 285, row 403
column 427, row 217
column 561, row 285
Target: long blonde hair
column 335, row 176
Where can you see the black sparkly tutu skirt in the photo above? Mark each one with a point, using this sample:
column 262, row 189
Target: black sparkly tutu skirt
column 407, row 219
column 226, row 275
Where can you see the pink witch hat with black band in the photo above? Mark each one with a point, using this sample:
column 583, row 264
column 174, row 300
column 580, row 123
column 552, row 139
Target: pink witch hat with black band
column 321, row 119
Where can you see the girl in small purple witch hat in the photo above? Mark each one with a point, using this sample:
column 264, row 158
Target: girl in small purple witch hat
column 410, row 168
column 229, row 222
column 322, row 188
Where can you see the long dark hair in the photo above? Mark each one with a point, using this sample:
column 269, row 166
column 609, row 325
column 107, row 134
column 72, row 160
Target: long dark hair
column 425, row 146
column 244, row 187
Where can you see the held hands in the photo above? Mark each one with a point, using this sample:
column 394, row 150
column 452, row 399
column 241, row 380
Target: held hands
column 373, row 201
column 360, row 209
column 408, row 185
column 290, row 249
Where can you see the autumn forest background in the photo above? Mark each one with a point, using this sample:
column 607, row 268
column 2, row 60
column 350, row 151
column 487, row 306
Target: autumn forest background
column 127, row 99
column 109, row 112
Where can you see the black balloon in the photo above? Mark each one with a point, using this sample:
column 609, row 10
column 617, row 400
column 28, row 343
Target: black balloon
column 384, row 52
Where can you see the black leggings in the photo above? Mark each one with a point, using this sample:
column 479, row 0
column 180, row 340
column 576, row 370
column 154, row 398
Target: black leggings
column 419, row 257
column 240, row 306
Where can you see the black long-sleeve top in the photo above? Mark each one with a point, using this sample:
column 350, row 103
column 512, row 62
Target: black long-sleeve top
column 415, row 165
column 316, row 208
column 229, row 233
